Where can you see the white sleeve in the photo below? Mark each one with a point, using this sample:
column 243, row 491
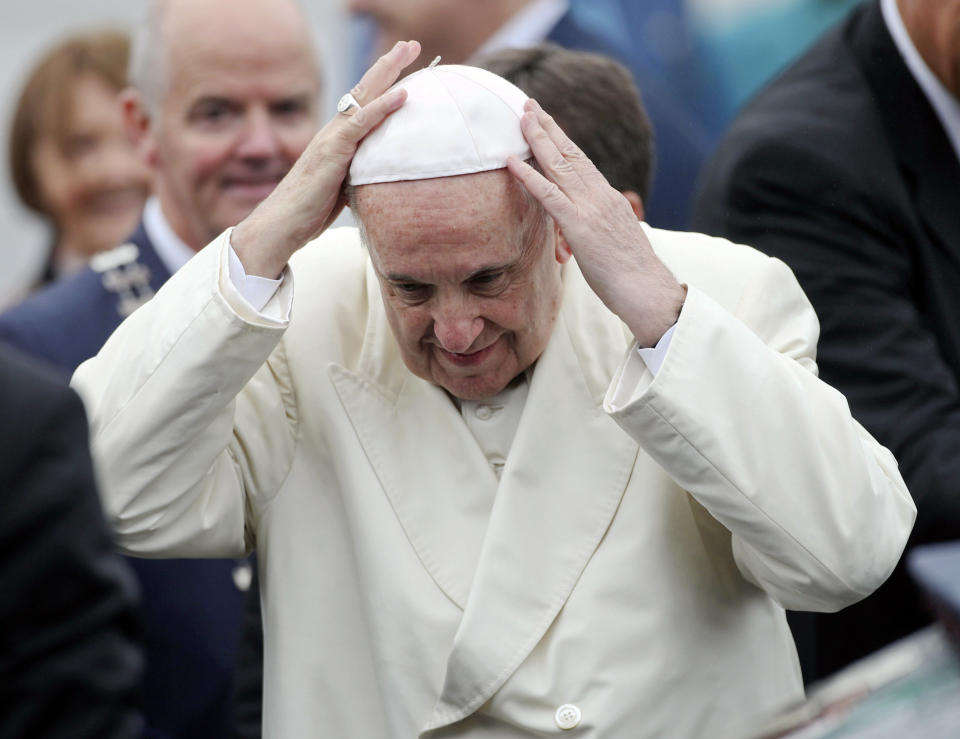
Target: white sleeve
column 628, row 387
column 192, row 420
column 817, row 509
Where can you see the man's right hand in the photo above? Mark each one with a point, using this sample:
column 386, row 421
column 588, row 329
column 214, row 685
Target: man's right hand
column 310, row 197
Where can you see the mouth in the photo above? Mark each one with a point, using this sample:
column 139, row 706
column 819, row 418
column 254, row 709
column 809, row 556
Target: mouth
column 118, row 200
column 467, row 359
column 250, row 188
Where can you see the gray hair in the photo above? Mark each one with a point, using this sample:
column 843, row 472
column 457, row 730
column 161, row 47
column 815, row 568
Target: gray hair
column 149, row 71
column 148, row 58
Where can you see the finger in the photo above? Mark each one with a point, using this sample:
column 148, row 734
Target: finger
column 556, row 134
column 350, row 129
column 385, row 71
column 554, row 164
column 554, row 201
column 579, row 161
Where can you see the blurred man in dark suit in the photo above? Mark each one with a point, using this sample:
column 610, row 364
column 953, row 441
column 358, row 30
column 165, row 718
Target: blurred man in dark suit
column 70, row 657
column 459, row 29
column 848, row 168
column 225, row 98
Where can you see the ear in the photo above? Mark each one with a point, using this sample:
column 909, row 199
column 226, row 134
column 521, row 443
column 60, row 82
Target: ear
column 136, row 120
column 635, row 202
column 563, row 252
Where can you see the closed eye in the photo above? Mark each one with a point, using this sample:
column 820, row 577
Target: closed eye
column 487, row 282
column 410, row 292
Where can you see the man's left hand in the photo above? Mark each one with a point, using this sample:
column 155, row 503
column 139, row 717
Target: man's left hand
column 600, row 229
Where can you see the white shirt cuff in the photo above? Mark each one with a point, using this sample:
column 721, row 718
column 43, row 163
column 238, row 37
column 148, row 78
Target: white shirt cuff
column 255, row 291
column 653, row 357
column 632, row 380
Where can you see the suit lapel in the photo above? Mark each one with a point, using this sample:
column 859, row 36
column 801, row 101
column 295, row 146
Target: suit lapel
column 937, row 189
column 159, row 273
column 562, row 483
column 922, row 146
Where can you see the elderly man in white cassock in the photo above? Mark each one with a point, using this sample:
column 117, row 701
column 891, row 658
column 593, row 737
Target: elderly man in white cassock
column 513, row 462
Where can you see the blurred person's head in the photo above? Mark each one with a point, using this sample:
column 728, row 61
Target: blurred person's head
column 451, row 29
column 594, row 100
column 934, row 27
column 225, row 97
column 71, row 159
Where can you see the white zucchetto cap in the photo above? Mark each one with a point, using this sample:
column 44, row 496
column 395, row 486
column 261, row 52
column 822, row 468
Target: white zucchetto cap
column 455, row 120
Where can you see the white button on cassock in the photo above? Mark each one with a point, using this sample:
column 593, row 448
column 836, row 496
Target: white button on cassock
column 567, row 716
column 484, row 412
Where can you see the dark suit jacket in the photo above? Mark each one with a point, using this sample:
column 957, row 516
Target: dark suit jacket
column 681, row 142
column 68, row 321
column 841, row 168
column 192, row 608
column 70, row 656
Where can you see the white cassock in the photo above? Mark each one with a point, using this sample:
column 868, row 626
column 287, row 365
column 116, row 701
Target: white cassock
column 631, row 564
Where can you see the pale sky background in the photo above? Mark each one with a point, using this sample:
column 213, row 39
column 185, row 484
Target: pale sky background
column 28, row 28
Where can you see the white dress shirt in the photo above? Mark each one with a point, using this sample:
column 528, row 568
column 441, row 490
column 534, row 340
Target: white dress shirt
column 529, row 25
column 169, row 247
column 944, row 103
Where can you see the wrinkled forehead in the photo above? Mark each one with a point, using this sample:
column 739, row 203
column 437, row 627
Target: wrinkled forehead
column 437, row 205
column 470, row 220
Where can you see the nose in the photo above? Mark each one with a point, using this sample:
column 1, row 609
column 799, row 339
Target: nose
column 457, row 329
column 259, row 138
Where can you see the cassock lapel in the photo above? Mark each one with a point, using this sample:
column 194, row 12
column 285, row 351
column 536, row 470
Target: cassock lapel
column 513, row 567
column 562, row 483
column 429, row 465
